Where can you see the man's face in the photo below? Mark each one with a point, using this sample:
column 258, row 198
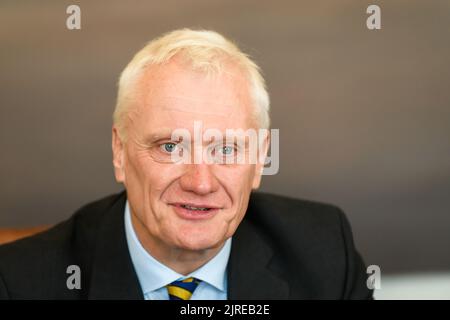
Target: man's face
column 161, row 193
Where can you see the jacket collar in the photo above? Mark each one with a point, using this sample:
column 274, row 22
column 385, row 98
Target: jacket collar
column 251, row 274
column 113, row 275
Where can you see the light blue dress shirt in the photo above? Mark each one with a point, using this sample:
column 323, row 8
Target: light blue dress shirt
column 154, row 276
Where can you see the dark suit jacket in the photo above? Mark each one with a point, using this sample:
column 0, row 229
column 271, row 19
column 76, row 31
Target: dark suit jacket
column 284, row 249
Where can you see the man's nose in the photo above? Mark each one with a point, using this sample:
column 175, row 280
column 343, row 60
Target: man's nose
column 199, row 178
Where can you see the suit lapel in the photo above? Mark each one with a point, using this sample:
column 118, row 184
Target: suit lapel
column 113, row 275
column 250, row 275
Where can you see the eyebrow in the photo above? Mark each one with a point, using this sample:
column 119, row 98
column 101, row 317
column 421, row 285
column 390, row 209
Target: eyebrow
column 166, row 134
column 158, row 135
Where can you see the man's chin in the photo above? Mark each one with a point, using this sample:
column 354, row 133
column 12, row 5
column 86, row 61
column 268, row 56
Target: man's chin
column 201, row 244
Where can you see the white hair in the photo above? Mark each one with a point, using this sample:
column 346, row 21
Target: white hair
column 206, row 51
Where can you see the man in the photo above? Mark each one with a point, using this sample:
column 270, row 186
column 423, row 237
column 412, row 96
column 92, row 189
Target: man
column 188, row 225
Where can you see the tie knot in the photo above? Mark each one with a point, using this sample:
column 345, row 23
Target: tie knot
column 183, row 289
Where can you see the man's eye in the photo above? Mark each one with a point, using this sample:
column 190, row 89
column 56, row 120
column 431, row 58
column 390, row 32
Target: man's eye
column 168, row 147
column 227, row 150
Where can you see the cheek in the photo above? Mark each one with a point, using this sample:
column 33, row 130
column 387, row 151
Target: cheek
column 238, row 180
column 146, row 181
column 148, row 172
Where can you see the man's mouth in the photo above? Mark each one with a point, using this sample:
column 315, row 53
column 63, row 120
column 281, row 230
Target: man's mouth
column 195, row 208
column 193, row 211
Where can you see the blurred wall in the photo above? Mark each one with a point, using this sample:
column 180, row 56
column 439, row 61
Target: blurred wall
column 364, row 115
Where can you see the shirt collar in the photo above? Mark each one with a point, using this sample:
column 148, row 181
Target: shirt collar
column 153, row 275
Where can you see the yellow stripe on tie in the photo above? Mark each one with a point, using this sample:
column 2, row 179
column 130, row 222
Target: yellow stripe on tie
column 179, row 292
column 182, row 289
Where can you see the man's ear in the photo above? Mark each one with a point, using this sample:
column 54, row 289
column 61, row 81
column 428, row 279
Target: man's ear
column 118, row 149
column 263, row 148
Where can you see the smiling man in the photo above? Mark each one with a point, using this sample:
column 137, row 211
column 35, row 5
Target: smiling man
column 188, row 225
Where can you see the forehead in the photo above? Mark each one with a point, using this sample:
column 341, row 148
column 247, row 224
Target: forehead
column 174, row 95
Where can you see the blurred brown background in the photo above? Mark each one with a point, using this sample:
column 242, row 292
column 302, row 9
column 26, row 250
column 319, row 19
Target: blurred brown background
column 364, row 116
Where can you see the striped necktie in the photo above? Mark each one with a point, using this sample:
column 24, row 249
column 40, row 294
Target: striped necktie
column 182, row 290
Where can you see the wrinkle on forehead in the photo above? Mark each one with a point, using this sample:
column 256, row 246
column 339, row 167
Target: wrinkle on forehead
column 194, row 105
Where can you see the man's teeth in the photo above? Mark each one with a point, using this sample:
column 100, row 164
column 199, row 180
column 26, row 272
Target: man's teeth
column 194, row 208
